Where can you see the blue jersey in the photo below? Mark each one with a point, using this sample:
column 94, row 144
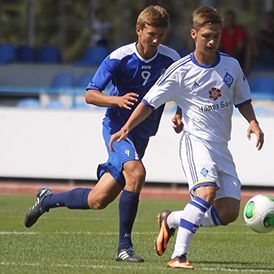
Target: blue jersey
column 128, row 72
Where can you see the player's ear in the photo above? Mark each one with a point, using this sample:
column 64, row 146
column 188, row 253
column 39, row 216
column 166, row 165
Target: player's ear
column 193, row 34
column 138, row 30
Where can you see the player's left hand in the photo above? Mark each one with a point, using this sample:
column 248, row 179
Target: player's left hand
column 118, row 136
column 178, row 124
column 255, row 128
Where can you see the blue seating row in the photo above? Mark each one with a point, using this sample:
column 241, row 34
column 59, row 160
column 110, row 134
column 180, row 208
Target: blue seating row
column 262, row 87
column 67, row 79
column 27, row 54
column 48, row 54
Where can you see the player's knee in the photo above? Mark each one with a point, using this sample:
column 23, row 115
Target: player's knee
column 138, row 179
column 97, row 202
column 139, row 176
column 135, row 179
column 206, row 193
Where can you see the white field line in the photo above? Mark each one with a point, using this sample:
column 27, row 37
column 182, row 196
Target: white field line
column 137, row 267
column 110, row 233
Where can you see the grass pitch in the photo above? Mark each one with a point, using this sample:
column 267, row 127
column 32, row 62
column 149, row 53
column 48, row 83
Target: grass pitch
column 76, row 241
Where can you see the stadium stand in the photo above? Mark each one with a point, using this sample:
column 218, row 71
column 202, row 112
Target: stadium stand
column 28, row 103
column 7, row 53
column 26, row 54
column 93, row 56
column 49, row 54
column 262, row 87
column 63, row 79
column 83, row 79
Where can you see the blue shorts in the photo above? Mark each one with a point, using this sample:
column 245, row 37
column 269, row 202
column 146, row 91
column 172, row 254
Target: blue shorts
column 132, row 148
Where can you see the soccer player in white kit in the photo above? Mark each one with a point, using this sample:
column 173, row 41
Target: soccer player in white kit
column 206, row 84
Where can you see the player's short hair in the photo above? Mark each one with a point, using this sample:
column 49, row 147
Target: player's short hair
column 153, row 15
column 205, row 15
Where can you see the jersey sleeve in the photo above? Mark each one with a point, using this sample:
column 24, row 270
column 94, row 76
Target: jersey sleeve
column 242, row 90
column 104, row 74
column 164, row 90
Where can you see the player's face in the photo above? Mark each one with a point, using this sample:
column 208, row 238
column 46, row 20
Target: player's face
column 149, row 39
column 207, row 40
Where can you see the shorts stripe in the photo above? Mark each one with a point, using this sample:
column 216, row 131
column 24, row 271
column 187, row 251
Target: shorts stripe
column 191, row 164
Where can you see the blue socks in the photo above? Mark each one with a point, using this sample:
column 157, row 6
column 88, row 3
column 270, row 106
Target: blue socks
column 128, row 206
column 78, row 199
column 74, row 199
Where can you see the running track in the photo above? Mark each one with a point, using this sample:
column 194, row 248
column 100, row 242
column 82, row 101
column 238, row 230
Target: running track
column 154, row 192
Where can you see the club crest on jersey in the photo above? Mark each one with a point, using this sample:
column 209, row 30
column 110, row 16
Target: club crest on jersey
column 204, row 172
column 214, row 93
column 228, row 79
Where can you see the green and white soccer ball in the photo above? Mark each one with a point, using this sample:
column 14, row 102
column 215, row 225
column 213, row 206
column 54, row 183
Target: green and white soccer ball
column 259, row 213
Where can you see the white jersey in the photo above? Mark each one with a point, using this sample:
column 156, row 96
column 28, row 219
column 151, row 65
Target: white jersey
column 206, row 94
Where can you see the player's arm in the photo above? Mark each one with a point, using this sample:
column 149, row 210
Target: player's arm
column 177, row 120
column 141, row 112
column 98, row 98
column 247, row 111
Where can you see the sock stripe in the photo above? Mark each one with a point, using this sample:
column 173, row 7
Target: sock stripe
column 202, row 208
column 202, row 202
column 188, row 225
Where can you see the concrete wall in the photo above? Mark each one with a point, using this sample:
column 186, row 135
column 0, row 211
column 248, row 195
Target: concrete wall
column 67, row 144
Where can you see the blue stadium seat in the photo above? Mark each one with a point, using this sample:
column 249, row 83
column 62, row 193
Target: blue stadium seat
column 55, row 104
column 28, row 103
column 93, row 56
column 26, row 54
column 50, row 55
column 263, row 87
column 63, row 79
column 84, row 79
column 7, row 53
column 61, row 83
column 81, row 105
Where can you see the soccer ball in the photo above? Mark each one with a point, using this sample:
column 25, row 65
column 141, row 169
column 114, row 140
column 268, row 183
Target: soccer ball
column 259, row 213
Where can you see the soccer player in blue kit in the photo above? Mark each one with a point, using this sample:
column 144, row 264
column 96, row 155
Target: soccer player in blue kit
column 132, row 69
column 205, row 84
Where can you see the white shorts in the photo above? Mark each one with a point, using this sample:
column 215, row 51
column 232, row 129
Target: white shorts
column 208, row 163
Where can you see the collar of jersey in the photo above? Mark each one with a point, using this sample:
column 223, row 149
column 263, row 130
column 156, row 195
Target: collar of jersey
column 142, row 58
column 204, row 65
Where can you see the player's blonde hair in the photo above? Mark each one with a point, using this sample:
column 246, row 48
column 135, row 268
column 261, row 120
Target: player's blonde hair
column 205, row 15
column 153, row 15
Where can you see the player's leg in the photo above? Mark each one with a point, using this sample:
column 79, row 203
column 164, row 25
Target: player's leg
column 190, row 220
column 134, row 173
column 226, row 206
column 125, row 166
column 228, row 196
column 103, row 193
column 201, row 174
column 228, row 209
column 106, row 191
column 45, row 200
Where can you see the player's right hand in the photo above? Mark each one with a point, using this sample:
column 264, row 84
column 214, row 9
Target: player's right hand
column 128, row 100
column 118, row 136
